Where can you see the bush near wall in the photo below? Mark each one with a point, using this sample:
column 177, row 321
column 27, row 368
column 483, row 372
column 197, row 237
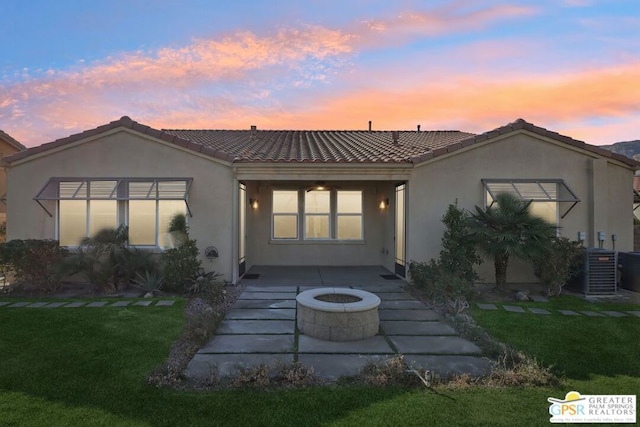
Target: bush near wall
column 33, row 262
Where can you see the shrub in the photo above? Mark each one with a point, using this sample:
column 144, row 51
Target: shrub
column 151, row 281
column 180, row 265
column 562, row 262
column 34, row 262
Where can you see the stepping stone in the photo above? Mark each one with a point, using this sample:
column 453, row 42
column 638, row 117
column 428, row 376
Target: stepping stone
column 228, row 327
column 634, row 313
column 539, row 311
column 165, row 303
column 375, row 345
column 449, row 365
column 204, row 366
column 538, row 298
column 399, row 327
column 408, row 315
column 19, row 304
column 402, row 305
column 615, row 314
column 262, row 313
column 97, row 304
column 75, row 304
column 265, row 303
column 249, row 344
column 514, row 308
column 120, row 303
column 592, row 314
column 55, row 304
column 484, row 306
column 434, row 345
column 38, row 304
column 268, row 295
column 393, row 296
column 339, row 365
column 569, row 313
column 143, row 303
column 3, row 303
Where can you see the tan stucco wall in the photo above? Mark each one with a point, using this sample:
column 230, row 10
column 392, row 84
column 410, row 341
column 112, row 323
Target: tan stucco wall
column 6, row 149
column 376, row 249
column 128, row 154
column 436, row 184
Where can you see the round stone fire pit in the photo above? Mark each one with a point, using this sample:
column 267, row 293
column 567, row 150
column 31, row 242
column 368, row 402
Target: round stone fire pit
column 338, row 314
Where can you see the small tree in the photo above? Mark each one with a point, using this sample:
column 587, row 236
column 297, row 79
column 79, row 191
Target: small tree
column 562, row 262
column 458, row 254
column 508, row 230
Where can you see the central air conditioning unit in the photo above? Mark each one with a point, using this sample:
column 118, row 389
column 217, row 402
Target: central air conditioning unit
column 600, row 272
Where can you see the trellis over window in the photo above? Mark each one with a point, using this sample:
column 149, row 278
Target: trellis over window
column 536, row 190
column 114, row 189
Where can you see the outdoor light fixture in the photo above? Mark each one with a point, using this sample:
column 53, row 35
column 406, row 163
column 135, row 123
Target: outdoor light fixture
column 253, row 203
column 383, row 203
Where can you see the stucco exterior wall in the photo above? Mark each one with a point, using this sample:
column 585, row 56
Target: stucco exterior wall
column 124, row 153
column 5, row 150
column 606, row 196
column 376, row 249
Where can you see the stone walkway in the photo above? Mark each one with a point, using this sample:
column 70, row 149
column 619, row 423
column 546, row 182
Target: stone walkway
column 93, row 304
column 261, row 329
column 544, row 311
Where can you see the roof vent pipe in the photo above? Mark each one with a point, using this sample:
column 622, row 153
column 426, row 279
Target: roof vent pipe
column 369, row 125
column 396, row 136
column 254, row 128
column 418, row 128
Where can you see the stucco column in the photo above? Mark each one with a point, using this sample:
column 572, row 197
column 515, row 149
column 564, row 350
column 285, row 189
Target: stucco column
column 598, row 201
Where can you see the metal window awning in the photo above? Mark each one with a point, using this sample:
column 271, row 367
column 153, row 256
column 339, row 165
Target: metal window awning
column 536, row 190
column 114, row 189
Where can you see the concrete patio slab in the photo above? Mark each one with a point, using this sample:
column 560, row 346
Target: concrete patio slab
column 121, row 303
column 408, row 315
column 514, row 308
column 261, row 313
column 249, row 344
column 434, row 345
column 486, row 306
column 19, row 304
column 268, row 295
column 569, row 313
column 375, row 345
column 399, row 327
column 165, row 303
column 270, row 288
column 448, row 365
column 539, row 310
column 55, row 304
column 402, row 305
column 394, row 296
column 203, row 366
column 390, row 287
column 38, row 304
column 75, row 304
column 338, row 365
column 256, row 327
column 592, row 313
column 265, row 303
column 615, row 314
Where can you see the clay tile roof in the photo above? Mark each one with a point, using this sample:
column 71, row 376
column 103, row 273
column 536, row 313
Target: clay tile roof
column 325, row 146
column 11, row 141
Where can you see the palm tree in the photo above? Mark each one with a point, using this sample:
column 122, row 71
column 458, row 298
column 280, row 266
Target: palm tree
column 508, row 230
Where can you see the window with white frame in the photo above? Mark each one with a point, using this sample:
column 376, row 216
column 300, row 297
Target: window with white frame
column 327, row 214
column 86, row 206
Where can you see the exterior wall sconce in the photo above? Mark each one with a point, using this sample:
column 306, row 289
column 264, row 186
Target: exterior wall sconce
column 384, row 203
column 253, row 203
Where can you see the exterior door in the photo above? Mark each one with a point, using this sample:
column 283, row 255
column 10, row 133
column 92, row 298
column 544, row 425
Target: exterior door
column 242, row 230
column 400, row 231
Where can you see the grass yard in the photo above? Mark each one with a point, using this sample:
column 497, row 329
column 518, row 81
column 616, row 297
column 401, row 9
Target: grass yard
column 87, row 366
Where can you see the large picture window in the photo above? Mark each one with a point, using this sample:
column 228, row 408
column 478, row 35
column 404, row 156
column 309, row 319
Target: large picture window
column 146, row 206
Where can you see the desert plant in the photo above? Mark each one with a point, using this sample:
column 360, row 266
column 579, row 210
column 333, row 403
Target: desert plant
column 108, row 247
column 180, row 265
column 559, row 264
column 34, row 262
column 179, row 229
column 508, row 230
column 152, row 281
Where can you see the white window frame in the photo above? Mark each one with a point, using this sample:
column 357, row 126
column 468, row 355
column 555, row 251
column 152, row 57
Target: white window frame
column 296, row 215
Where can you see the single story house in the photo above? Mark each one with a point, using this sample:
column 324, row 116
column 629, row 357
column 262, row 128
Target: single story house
column 8, row 146
column 329, row 198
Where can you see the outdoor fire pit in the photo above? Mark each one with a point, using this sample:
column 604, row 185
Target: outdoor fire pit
column 338, row 314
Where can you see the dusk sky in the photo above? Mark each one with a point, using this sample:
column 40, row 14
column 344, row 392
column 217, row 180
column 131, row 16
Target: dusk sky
column 572, row 66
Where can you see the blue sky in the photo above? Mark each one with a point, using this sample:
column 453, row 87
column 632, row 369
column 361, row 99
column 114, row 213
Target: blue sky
column 572, row 66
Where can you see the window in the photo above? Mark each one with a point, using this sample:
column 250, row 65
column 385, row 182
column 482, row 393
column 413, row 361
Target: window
column 317, row 214
column 327, row 214
column 349, row 215
column 551, row 199
column 86, row 206
column 285, row 214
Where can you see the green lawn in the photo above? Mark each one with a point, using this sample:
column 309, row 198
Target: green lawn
column 87, row 366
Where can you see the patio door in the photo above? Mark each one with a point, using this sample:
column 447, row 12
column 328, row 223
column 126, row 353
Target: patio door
column 400, row 231
column 242, row 229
